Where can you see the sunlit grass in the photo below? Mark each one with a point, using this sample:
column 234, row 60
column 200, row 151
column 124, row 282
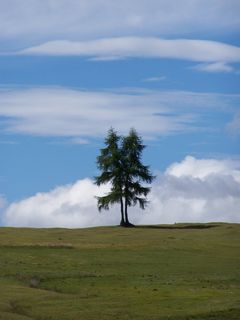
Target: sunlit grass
column 181, row 271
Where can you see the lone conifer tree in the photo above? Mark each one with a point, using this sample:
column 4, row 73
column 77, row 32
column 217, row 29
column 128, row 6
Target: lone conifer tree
column 120, row 164
column 110, row 163
column 134, row 172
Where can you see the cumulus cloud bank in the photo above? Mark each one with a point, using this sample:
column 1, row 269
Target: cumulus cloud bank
column 2, row 201
column 194, row 190
column 3, row 204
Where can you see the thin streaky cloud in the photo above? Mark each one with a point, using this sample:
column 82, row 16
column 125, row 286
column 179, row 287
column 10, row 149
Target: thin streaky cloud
column 85, row 115
column 77, row 20
column 214, row 67
column 154, row 79
column 140, row 47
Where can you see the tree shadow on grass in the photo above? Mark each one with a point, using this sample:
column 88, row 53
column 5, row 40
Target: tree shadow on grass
column 179, row 226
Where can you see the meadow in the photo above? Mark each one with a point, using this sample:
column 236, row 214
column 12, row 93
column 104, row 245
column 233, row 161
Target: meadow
column 174, row 272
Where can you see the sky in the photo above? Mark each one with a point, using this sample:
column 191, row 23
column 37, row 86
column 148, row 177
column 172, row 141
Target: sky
column 71, row 69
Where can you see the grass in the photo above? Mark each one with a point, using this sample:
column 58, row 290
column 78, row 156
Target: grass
column 177, row 272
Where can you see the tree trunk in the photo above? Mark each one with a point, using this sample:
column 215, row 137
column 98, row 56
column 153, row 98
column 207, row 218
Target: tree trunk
column 126, row 213
column 127, row 223
column 122, row 223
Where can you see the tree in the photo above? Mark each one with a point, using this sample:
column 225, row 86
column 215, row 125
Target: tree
column 120, row 164
column 109, row 162
column 134, row 172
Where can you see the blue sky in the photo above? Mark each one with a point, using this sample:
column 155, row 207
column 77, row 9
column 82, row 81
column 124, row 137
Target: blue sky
column 69, row 70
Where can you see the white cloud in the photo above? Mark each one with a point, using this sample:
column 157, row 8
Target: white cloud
column 154, row 79
column 125, row 47
column 2, row 201
column 3, row 205
column 82, row 114
column 202, row 168
column 69, row 141
column 69, row 206
column 109, row 30
column 82, row 19
column 212, row 193
column 214, row 67
column 88, row 114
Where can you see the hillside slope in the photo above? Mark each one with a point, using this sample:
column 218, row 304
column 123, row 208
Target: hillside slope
column 182, row 271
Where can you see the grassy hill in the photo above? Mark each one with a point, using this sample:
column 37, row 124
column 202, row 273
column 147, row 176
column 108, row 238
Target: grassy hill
column 177, row 272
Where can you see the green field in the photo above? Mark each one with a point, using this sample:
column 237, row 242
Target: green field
column 182, row 271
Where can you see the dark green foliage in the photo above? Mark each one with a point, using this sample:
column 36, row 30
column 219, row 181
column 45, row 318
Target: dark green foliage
column 120, row 164
column 110, row 163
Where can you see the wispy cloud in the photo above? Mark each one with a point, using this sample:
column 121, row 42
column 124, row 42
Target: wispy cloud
column 127, row 47
column 7, row 142
column 29, row 21
column 69, row 141
column 154, row 79
column 82, row 115
column 214, row 67
column 194, row 190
